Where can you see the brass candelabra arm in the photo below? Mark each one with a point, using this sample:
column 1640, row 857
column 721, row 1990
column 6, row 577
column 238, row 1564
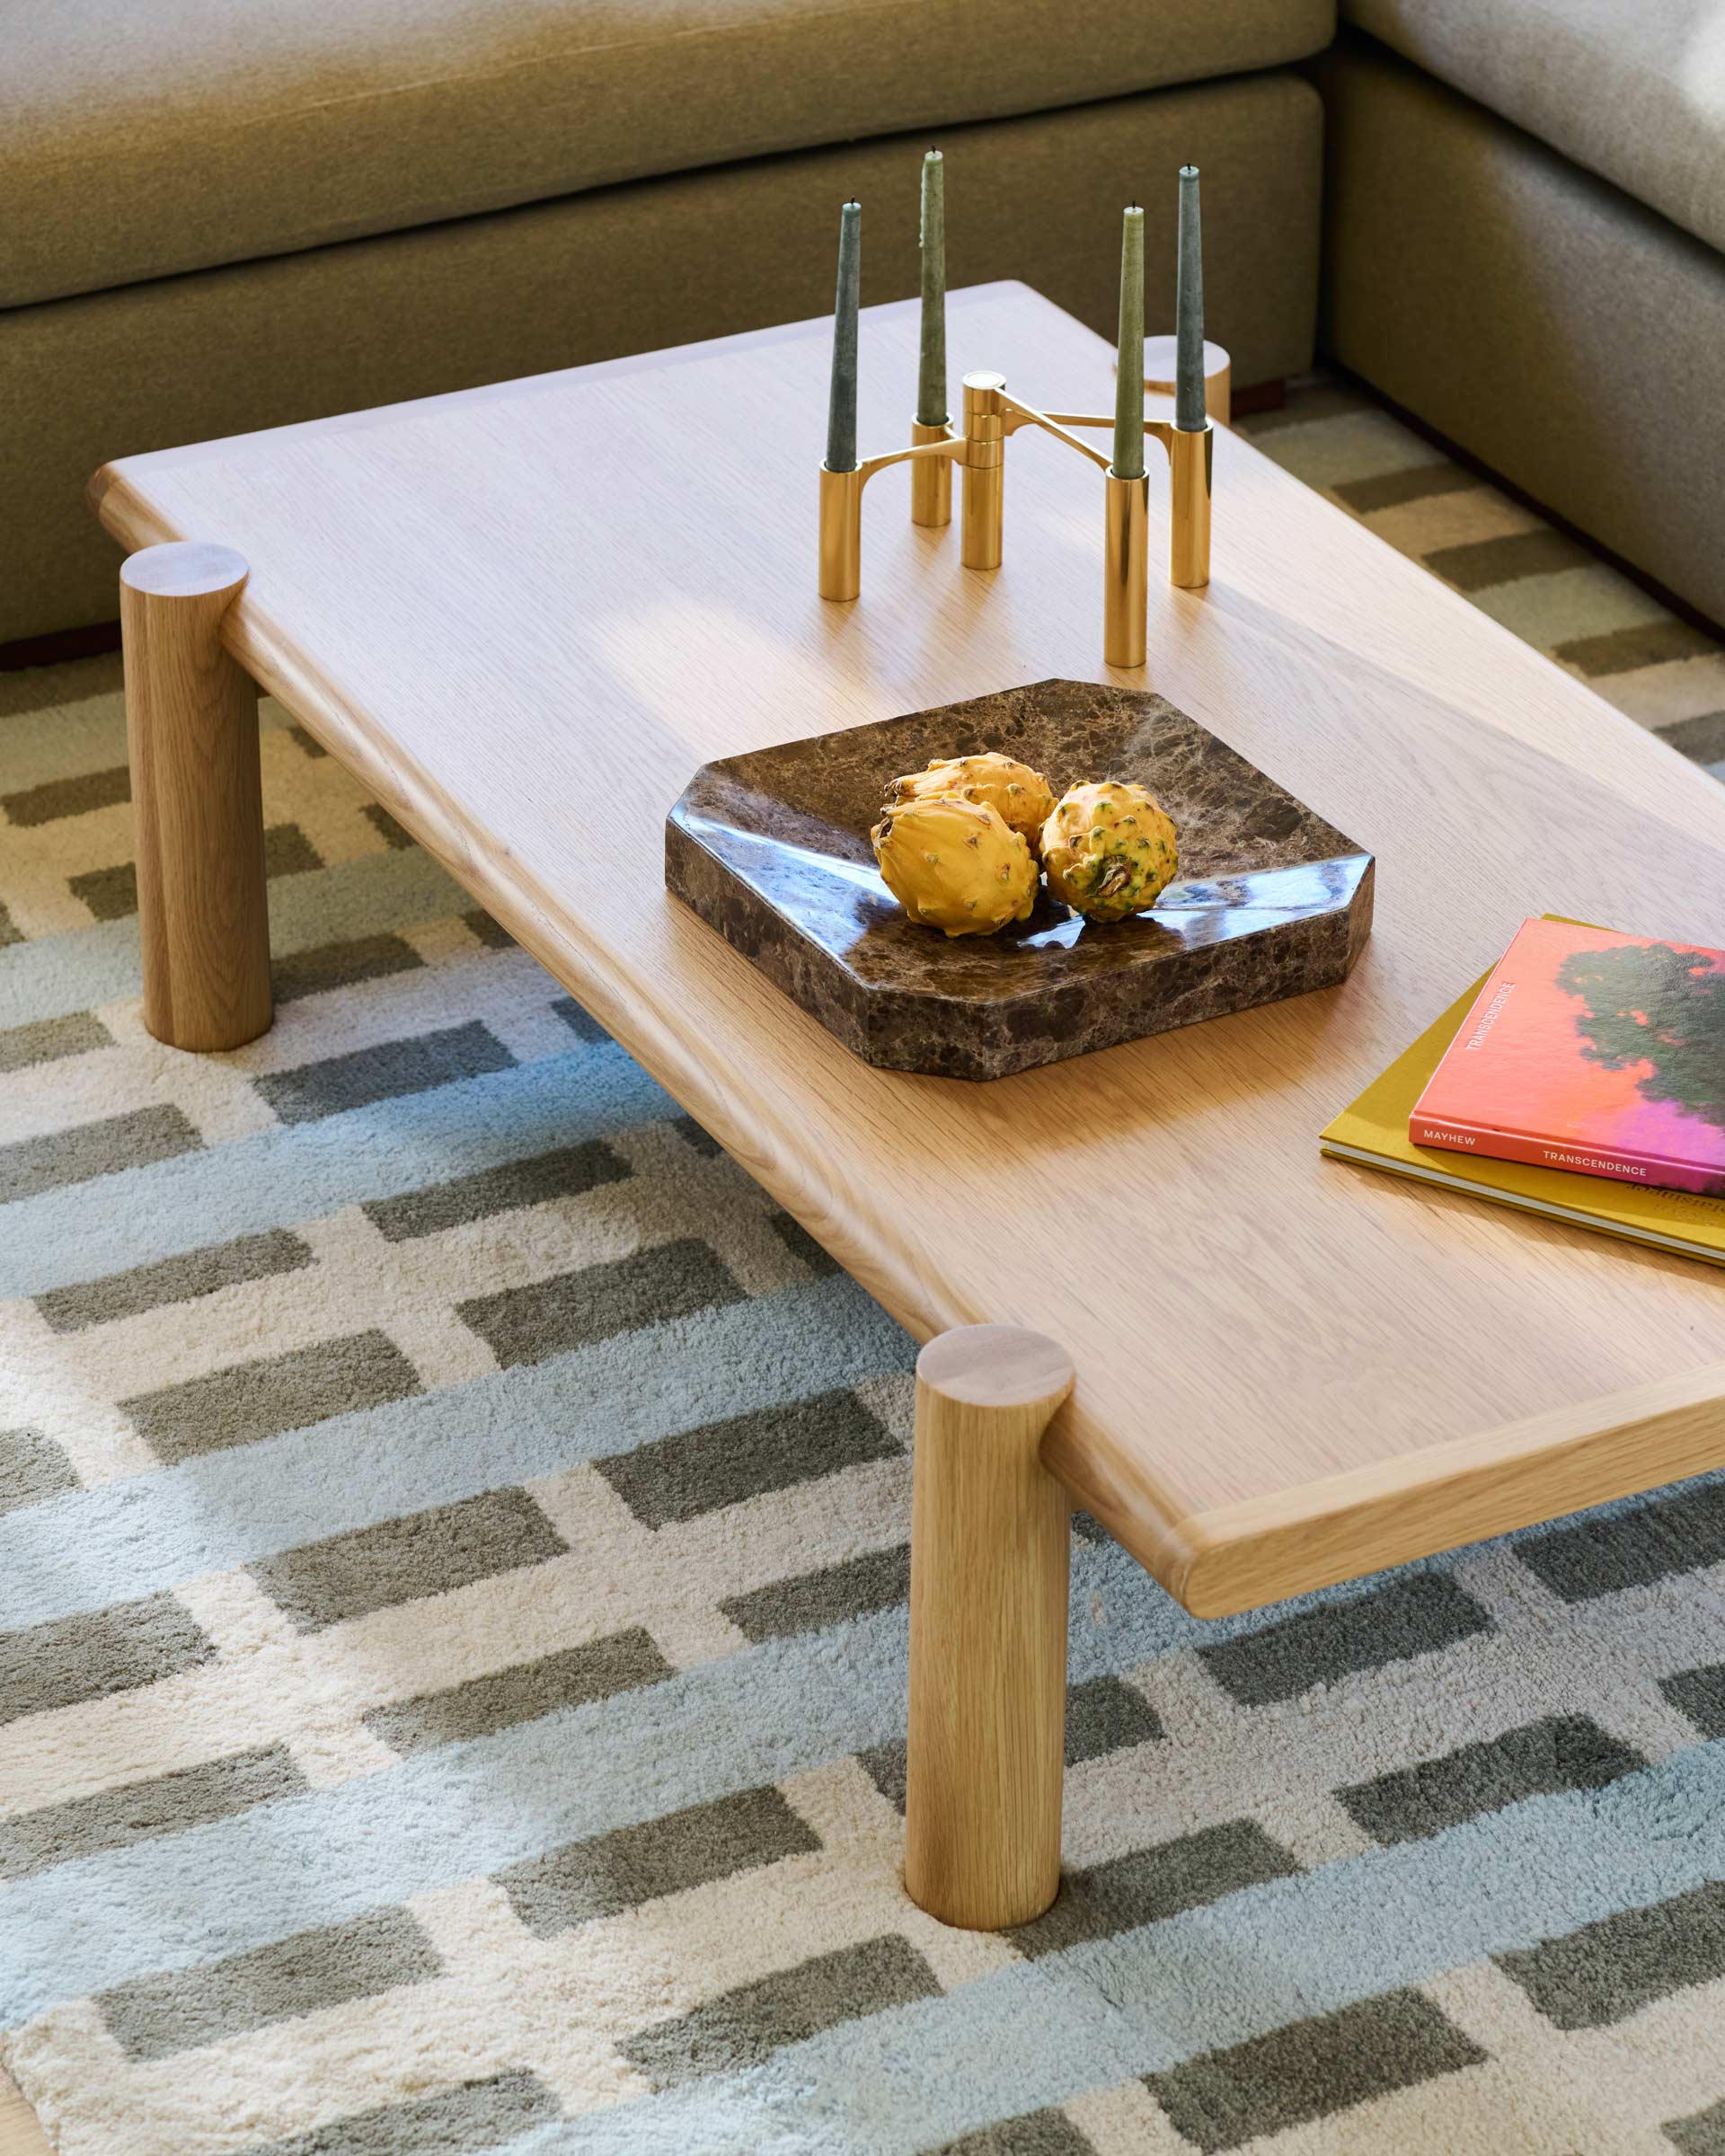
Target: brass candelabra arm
column 1125, row 591
column 948, row 445
column 841, row 509
column 1192, row 452
column 1014, row 415
column 990, row 416
column 1058, row 422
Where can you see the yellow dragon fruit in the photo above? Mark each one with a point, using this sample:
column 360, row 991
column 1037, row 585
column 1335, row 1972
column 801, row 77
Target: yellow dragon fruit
column 1022, row 797
column 954, row 864
column 1110, row 849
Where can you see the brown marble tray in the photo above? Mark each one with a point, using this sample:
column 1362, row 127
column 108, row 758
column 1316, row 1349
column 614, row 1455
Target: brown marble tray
column 772, row 848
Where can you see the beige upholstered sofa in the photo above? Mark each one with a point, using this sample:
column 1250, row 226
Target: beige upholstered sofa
column 1525, row 245
column 222, row 218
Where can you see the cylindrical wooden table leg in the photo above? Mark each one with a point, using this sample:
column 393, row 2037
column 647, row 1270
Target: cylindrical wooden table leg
column 192, row 725
column 989, row 1578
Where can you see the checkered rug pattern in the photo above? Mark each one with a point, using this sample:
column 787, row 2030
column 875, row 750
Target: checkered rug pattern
column 453, row 1563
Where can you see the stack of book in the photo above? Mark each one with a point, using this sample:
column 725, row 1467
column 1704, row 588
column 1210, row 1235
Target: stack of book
column 1583, row 1079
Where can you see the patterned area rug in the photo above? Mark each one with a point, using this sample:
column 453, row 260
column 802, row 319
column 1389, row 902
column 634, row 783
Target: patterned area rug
column 453, row 1569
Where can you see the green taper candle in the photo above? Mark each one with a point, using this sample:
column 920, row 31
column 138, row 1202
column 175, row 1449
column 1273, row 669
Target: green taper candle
column 1189, row 309
column 1129, row 385
column 840, row 404
column 931, row 374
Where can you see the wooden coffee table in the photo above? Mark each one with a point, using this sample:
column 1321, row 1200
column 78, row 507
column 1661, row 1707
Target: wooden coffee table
column 525, row 614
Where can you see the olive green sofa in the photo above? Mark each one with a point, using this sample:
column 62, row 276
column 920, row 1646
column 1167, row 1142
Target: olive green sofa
column 221, row 218
column 1524, row 245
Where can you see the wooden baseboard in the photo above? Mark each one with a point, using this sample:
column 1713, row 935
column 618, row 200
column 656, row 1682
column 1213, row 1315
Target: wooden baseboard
column 59, row 646
column 1262, row 396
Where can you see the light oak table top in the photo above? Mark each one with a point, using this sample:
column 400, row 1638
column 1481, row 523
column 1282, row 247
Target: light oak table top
column 525, row 614
column 20, row 2133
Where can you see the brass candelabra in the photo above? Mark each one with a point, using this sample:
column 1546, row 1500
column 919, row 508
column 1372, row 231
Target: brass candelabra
column 991, row 416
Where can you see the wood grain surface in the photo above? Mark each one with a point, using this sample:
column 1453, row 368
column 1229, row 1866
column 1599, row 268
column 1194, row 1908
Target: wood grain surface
column 192, row 725
column 523, row 615
column 990, row 1551
column 20, row 2135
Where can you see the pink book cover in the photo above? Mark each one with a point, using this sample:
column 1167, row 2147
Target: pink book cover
column 1592, row 1051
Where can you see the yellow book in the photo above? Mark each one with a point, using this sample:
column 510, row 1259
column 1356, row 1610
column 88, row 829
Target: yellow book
column 1373, row 1132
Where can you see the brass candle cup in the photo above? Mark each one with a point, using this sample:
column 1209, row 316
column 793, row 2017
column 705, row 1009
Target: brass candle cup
column 931, row 478
column 984, row 441
column 1191, row 458
column 841, row 532
column 1126, row 568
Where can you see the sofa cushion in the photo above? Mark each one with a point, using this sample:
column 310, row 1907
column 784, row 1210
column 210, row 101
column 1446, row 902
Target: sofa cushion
column 137, row 140
column 1633, row 90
